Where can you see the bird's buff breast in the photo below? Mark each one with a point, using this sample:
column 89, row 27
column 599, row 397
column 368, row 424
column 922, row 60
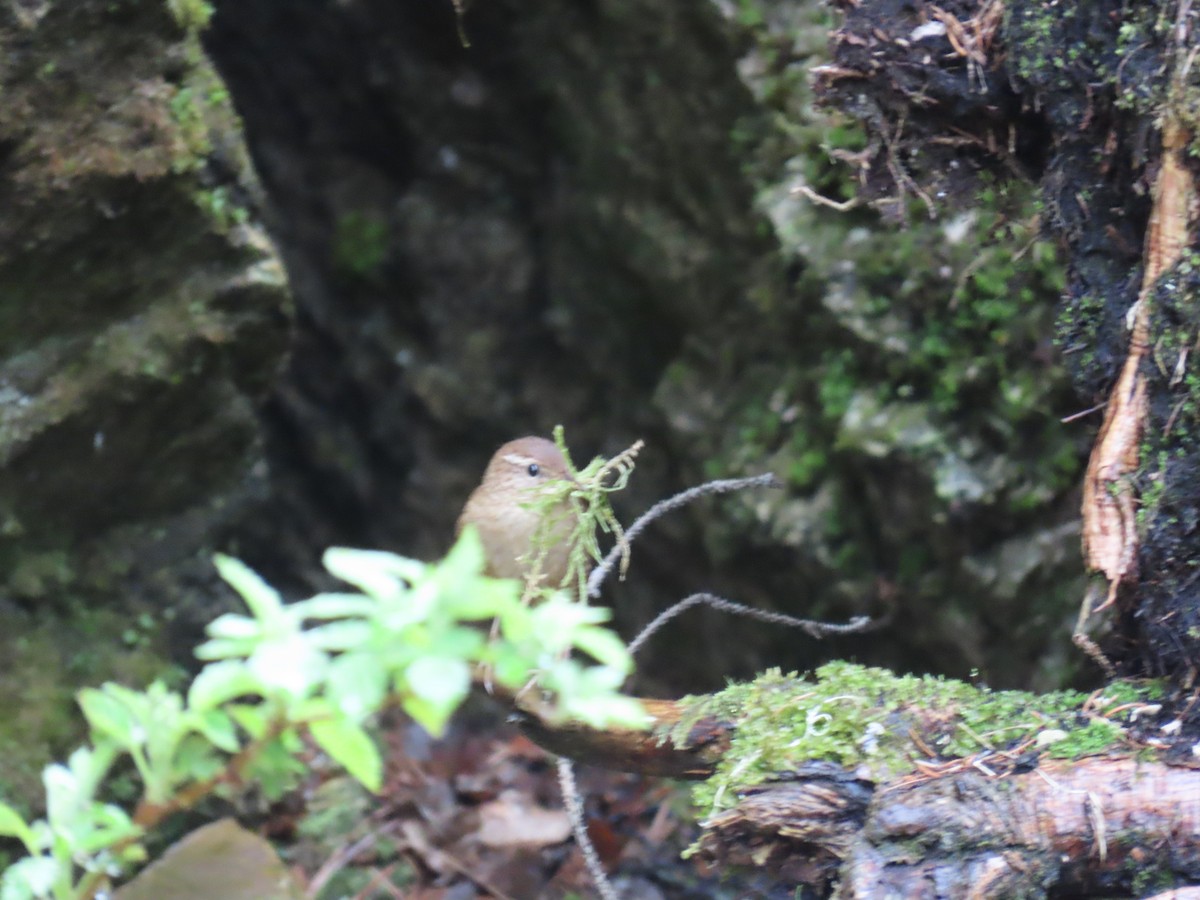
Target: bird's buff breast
column 509, row 541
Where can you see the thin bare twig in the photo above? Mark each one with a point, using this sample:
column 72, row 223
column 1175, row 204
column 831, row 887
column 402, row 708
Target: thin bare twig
column 723, row 486
column 815, row 629
column 1082, row 413
column 573, row 802
column 839, row 205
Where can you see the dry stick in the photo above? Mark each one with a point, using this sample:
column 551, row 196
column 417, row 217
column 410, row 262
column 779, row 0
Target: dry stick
column 724, row 486
column 566, row 770
column 574, row 804
column 815, row 629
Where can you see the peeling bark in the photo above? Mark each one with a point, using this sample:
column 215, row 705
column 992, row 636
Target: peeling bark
column 1110, row 537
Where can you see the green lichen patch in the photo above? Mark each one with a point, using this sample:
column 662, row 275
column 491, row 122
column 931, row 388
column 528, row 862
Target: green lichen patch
column 881, row 725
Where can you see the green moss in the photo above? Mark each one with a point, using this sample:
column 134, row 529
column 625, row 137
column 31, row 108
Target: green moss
column 865, row 719
column 1118, row 57
column 220, row 206
column 1147, row 881
column 360, row 242
column 337, row 809
column 192, row 15
column 37, row 575
column 189, row 117
column 45, row 662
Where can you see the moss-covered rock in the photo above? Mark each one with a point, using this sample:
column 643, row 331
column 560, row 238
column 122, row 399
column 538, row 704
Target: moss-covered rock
column 901, row 379
column 142, row 315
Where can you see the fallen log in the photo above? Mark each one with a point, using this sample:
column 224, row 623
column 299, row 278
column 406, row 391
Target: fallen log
column 869, row 784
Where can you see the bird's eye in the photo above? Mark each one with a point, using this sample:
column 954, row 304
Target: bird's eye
column 533, row 469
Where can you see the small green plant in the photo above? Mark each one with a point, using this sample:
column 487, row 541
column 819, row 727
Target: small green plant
column 321, row 667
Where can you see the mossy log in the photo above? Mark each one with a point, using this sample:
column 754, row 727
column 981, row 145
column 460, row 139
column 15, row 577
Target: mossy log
column 867, row 784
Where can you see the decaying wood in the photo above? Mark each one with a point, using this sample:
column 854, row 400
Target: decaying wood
column 1070, row 825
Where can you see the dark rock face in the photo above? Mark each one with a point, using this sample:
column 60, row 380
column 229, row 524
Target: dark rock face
column 485, row 242
column 589, row 217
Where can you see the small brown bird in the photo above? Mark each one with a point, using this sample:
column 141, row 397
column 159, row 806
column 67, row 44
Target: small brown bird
column 500, row 509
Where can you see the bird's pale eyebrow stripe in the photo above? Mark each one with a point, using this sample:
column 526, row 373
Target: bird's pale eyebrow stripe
column 517, row 459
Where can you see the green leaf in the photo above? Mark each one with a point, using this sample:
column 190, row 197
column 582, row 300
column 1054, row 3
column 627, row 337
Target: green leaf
column 459, row 574
column 334, row 606
column 264, row 601
column 253, row 719
column 290, row 664
column 484, row 598
column 605, row 647
column 88, row 765
column 108, row 716
column 557, row 621
column 510, row 667
column 197, row 759
column 34, row 876
column 64, row 797
column 217, row 726
column 591, row 695
column 413, row 607
column 232, row 626
column 377, row 574
column 517, row 623
column 109, row 825
column 440, row 680
column 430, row 716
column 466, row 556
column 276, row 769
column 459, row 642
column 12, row 825
column 351, row 747
column 219, row 682
column 357, row 685
column 345, row 635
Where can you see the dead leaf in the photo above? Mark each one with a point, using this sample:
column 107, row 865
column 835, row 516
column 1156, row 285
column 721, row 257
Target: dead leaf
column 508, row 822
